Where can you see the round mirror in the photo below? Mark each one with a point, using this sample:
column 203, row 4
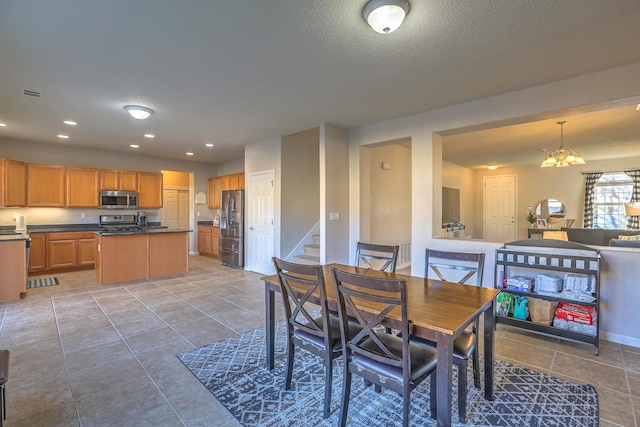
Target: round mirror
column 551, row 209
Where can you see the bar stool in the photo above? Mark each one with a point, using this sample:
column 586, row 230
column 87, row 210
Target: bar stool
column 4, row 376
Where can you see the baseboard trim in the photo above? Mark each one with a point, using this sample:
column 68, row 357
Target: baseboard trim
column 620, row 339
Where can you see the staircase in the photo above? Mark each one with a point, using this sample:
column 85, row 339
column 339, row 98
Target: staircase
column 311, row 252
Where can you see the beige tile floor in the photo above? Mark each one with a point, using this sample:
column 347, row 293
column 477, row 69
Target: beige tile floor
column 89, row 355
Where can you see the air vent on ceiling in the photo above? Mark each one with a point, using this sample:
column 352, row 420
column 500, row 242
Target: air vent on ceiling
column 31, row 93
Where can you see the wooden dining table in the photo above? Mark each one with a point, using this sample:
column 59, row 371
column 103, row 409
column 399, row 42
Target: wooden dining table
column 438, row 311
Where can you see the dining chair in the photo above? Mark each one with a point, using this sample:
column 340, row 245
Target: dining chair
column 378, row 257
column 383, row 359
column 459, row 267
column 320, row 335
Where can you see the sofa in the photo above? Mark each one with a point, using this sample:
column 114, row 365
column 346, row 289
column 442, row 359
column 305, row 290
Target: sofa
column 602, row 237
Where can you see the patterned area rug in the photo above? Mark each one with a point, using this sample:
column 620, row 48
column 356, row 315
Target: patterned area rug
column 234, row 371
column 41, row 283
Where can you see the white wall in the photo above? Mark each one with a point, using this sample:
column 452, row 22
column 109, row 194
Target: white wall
column 334, row 194
column 300, row 187
column 454, row 176
column 388, row 198
column 600, row 87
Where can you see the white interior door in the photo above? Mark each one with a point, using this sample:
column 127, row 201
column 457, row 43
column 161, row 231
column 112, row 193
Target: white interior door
column 170, row 208
column 500, row 208
column 260, row 214
column 183, row 209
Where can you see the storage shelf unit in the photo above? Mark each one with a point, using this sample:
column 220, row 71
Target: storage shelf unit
column 535, row 256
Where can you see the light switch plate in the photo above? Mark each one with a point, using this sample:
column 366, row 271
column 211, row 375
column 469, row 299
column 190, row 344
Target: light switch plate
column 334, row 216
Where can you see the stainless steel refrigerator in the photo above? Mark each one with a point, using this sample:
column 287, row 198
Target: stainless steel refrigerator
column 232, row 228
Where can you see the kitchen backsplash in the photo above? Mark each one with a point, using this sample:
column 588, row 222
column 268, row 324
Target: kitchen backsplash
column 42, row 216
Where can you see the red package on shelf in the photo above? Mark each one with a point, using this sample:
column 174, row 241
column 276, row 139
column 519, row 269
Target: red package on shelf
column 576, row 313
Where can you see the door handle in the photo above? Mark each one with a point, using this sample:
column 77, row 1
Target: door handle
column 251, row 228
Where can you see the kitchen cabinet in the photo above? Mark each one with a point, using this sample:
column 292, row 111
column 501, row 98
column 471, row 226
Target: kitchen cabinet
column 82, row 187
column 215, row 185
column 13, row 183
column 225, row 183
column 215, row 242
column 209, row 240
column 13, row 269
column 70, row 250
column 204, row 239
column 149, row 190
column 118, row 180
column 569, row 262
column 234, row 182
column 241, row 181
column 45, row 185
column 122, row 258
column 38, row 252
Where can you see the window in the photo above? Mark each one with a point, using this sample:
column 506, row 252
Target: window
column 612, row 191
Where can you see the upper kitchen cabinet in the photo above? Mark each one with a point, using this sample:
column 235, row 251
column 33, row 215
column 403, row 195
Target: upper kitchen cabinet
column 13, row 183
column 82, row 187
column 149, row 190
column 118, row 180
column 215, row 185
column 46, row 185
column 241, row 181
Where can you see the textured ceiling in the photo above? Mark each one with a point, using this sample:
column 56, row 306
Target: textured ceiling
column 234, row 72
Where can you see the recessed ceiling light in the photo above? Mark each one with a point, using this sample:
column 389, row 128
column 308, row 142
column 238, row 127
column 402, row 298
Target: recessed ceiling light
column 492, row 167
column 208, row 145
column 63, row 136
column 149, row 135
column 134, row 146
column 70, row 122
column 189, row 153
column 2, row 125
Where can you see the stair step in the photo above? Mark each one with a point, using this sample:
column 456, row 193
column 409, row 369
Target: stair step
column 307, row 259
column 312, row 250
column 316, row 239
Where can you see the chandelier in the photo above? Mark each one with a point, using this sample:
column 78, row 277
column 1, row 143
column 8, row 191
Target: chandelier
column 562, row 156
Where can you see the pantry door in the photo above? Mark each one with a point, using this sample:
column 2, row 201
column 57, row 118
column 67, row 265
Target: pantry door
column 500, row 223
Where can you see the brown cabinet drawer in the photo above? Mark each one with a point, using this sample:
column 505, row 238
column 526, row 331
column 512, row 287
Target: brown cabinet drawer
column 72, row 235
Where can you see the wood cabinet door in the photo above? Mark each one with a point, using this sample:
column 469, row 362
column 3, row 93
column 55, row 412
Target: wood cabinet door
column 128, row 181
column 38, row 253
column 234, row 182
column 13, row 183
column 225, row 182
column 62, row 254
column 204, row 239
column 149, row 190
column 215, row 245
column 45, row 185
column 241, row 181
column 86, row 251
column 82, row 187
column 109, row 180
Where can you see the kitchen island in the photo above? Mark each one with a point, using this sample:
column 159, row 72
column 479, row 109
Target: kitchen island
column 13, row 265
column 142, row 254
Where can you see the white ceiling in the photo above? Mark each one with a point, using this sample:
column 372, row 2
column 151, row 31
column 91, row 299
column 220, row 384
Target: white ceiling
column 232, row 72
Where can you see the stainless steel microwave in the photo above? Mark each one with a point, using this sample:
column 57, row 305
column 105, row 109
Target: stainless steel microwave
column 118, row 200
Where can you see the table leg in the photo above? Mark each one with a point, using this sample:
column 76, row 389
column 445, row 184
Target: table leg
column 489, row 327
column 270, row 324
column 444, row 378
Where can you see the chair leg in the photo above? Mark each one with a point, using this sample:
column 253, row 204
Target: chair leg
column 433, row 397
column 462, row 389
column 328, row 375
column 289, row 371
column 346, row 393
column 476, row 368
column 406, row 405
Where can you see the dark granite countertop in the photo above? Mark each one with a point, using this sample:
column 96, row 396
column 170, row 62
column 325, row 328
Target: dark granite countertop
column 148, row 230
column 62, row 228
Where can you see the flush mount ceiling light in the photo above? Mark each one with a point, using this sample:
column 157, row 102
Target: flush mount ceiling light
column 138, row 112
column 562, row 157
column 492, row 167
column 385, row 16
